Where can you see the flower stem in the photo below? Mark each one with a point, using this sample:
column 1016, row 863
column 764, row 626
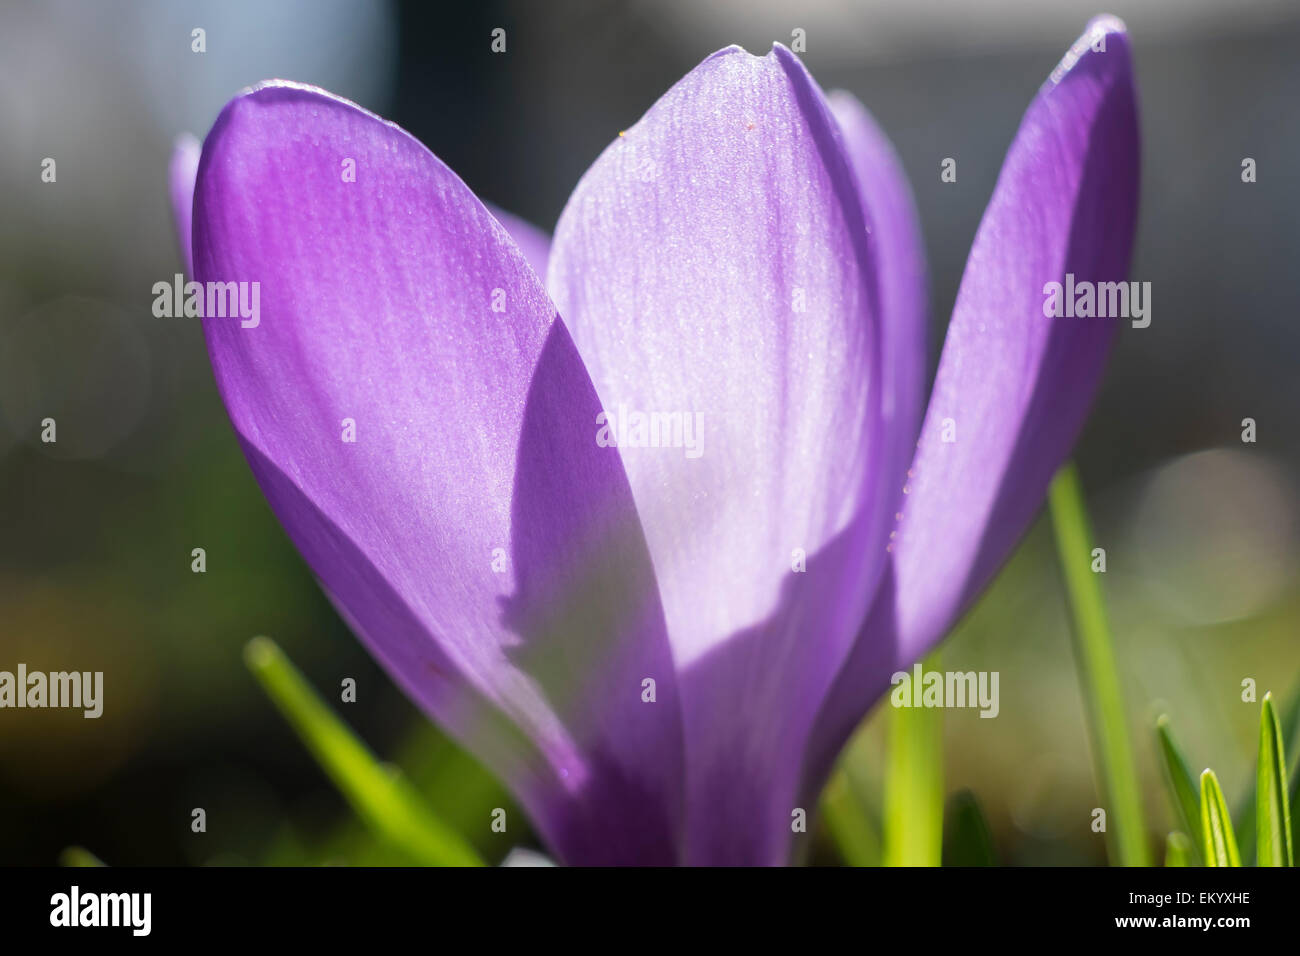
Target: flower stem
column 913, row 801
column 851, row 827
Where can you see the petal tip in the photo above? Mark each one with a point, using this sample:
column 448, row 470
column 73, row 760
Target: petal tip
column 1105, row 23
column 783, row 54
column 278, row 92
column 1104, row 33
column 779, row 52
column 269, row 92
column 729, row 50
column 268, row 89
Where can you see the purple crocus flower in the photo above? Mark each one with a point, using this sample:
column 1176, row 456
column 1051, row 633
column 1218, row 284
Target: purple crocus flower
column 659, row 635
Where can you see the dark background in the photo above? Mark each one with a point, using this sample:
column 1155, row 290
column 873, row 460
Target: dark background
column 96, row 530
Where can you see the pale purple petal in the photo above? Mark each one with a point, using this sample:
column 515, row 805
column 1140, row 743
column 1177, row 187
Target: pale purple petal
column 1013, row 386
column 395, row 303
column 181, row 170
column 715, row 261
column 900, row 257
column 532, row 242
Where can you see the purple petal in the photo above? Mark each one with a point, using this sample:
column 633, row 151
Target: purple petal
column 532, row 242
column 180, row 180
column 1015, row 385
column 474, row 431
column 715, row 261
column 900, row 258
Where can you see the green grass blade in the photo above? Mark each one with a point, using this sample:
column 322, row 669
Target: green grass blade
column 913, row 802
column 1292, row 796
column 384, row 800
column 1094, row 652
column 1182, row 785
column 1272, row 810
column 1179, row 850
column 968, row 841
column 1289, row 722
column 1245, row 815
column 1220, row 844
column 78, row 856
column 849, row 822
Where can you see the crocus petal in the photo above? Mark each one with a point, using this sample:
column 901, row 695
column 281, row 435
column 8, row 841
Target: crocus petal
column 473, row 534
column 180, row 180
column 900, row 257
column 1013, row 386
column 532, row 242
column 715, row 262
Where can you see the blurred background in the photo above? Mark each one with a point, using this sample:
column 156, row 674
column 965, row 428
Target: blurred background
column 1202, row 531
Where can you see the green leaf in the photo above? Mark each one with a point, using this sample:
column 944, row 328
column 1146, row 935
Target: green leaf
column 384, row 800
column 1098, row 675
column 849, row 821
column 1180, row 850
column 1272, row 809
column 1289, row 722
column 967, row 840
column 78, row 856
column 913, row 802
column 1245, row 815
column 1182, row 785
column 1220, row 843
